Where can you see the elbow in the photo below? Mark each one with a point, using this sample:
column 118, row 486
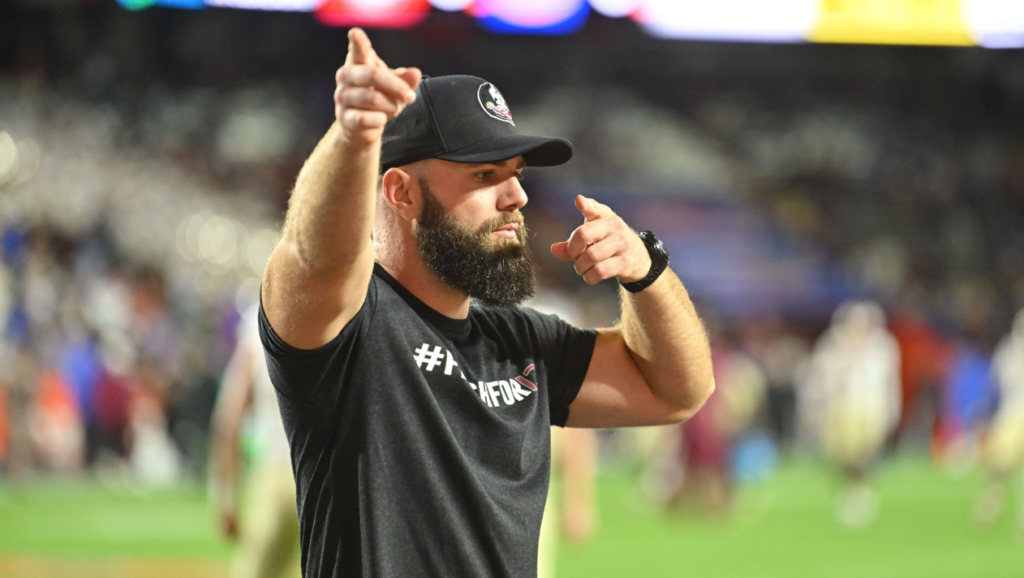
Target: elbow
column 709, row 390
column 699, row 395
column 702, row 395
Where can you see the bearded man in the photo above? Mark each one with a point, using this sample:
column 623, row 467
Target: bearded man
column 418, row 420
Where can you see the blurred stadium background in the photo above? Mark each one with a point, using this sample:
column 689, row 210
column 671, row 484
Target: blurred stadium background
column 792, row 155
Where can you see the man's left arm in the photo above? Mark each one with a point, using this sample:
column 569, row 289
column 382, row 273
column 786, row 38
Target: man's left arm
column 655, row 367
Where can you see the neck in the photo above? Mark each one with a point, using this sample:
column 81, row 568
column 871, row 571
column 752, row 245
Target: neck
column 408, row 268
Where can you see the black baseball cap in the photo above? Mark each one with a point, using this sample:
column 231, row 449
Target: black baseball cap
column 463, row 119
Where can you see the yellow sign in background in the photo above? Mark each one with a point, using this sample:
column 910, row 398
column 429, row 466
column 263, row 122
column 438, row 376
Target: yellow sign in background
column 891, row 22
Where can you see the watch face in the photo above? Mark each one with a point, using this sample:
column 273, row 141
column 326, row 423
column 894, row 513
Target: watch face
column 655, row 246
column 659, row 248
column 659, row 262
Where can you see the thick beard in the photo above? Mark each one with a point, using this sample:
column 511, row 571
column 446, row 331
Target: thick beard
column 501, row 276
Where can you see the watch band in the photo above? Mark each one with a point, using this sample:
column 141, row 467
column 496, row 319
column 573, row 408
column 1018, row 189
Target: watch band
column 659, row 262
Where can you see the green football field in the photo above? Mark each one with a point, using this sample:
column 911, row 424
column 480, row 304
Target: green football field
column 782, row 528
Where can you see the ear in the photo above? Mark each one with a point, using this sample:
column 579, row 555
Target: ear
column 398, row 187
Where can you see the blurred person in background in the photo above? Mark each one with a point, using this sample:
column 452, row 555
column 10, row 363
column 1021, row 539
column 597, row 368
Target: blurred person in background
column 783, row 355
column 6, row 303
column 853, row 379
column 56, row 425
column 924, row 365
column 20, row 374
column 412, row 457
column 967, row 399
column 571, row 510
column 709, row 438
column 968, row 395
column 1003, row 450
column 267, row 536
column 109, row 440
column 5, row 429
column 155, row 459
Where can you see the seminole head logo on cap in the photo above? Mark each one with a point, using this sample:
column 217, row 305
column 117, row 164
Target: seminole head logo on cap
column 493, row 103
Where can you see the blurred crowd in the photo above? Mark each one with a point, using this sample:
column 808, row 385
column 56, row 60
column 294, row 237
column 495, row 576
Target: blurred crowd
column 101, row 365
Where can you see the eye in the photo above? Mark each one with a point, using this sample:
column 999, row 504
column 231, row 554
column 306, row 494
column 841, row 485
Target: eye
column 520, row 176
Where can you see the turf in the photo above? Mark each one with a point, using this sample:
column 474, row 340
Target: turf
column 786, row 528
column 64, row 519
column 782, row 528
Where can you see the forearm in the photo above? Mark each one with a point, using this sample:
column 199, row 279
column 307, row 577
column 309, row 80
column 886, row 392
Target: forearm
column 655, row 367
column 223, row 468
column 668, row 343
column 318, row 273
column 233, row 401
column 331, row 210
column 224, row 460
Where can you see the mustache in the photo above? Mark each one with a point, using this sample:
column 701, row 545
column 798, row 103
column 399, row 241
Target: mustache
column 499, row 222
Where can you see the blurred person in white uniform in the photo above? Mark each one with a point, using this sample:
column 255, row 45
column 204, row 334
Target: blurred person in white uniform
column 267, row 535
column 854, row 387
column 1003, row 450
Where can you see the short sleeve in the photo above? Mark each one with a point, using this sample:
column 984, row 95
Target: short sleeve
column 314, row 376
column 566, row 351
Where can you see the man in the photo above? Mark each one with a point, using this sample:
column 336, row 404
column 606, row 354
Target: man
column 1003, row 451
column 419, row 424
column 854, row 384
column 268, row 536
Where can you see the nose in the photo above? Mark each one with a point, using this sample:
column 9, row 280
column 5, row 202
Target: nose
column 512, row 196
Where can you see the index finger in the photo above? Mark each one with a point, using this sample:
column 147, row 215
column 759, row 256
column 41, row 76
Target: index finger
column 590, row 208
column 360, row 51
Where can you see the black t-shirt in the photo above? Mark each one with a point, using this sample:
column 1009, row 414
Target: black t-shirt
column 420, row 443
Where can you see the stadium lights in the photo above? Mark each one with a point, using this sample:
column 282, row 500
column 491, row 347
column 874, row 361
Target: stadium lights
column 987, row 23
column 743, row 20
column 373, row 13
column 185, row 4
column 278, row 5
column 452, row 5
column 616, row 8
column 995, row 23
column 531, row 16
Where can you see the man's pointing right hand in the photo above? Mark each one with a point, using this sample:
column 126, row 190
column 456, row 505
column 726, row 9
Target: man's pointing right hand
column 369, row 93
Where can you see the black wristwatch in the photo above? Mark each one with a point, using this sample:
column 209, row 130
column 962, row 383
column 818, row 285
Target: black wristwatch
column 659, row 262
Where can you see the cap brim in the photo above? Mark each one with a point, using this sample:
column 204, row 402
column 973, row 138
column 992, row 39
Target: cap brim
column 537, row 151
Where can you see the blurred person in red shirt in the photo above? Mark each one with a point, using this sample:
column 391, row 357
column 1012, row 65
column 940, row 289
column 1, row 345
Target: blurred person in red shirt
column 708, row 437
column 924, row 355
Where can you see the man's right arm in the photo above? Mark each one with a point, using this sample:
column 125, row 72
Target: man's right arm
column 317, row 276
